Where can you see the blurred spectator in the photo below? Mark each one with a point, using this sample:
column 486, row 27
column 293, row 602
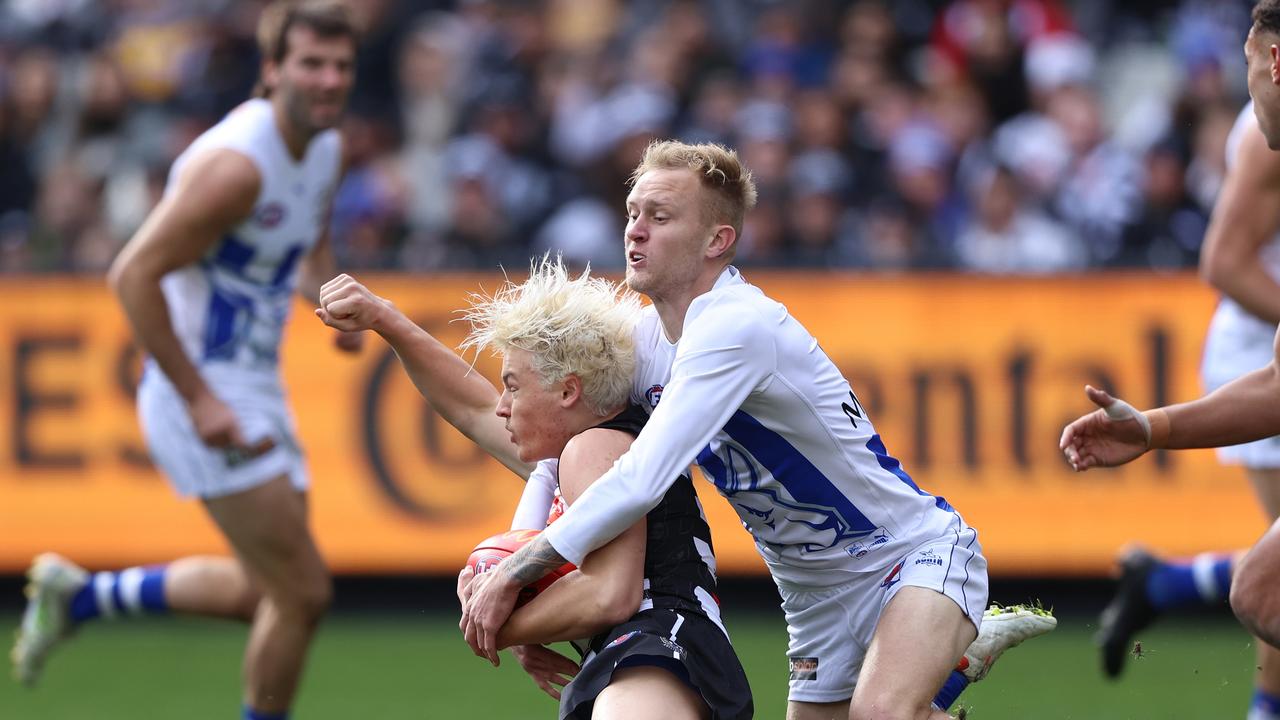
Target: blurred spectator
column 1007, row 235
column 483, row 131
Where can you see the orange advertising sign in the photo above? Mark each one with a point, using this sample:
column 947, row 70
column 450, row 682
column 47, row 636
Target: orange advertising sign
column 969, row 380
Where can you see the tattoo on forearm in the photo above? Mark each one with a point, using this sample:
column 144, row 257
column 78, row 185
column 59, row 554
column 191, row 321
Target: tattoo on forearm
column 532, row 561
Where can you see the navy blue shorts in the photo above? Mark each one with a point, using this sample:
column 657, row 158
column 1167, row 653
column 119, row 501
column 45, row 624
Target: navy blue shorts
column 697, row 652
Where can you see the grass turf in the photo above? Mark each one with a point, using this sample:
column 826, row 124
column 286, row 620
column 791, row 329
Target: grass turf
column 416, row 666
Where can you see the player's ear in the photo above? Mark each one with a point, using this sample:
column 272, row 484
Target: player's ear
column 570, row 390
column 268, row 76
column 1275, row 64
column 723, row 240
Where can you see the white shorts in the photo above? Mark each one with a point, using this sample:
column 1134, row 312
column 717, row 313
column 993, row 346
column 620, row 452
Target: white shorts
column 197, row 470
column 831, row 628
column 1238, row 343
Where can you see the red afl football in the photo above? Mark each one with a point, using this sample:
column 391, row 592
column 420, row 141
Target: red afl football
column 493, row 550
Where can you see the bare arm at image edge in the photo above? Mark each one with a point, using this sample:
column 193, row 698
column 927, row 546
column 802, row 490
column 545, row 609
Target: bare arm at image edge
column 215, row 192
column 1245, row 218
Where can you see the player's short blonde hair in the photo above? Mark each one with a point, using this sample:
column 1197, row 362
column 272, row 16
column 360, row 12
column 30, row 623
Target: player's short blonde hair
column 733, row 191
column 571, row 326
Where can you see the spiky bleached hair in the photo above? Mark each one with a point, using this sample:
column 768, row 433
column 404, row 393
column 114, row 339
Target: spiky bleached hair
column 572, row 326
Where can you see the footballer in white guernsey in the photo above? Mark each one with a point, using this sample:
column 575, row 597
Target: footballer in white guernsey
column 883, row 584
column 1238, row 259
column 207, row 283
column 1241, row 259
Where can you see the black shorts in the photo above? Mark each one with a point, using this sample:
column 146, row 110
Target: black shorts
column 698, row 653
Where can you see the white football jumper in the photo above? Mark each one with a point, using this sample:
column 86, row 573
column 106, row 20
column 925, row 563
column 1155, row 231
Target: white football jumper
column 750, row 396
column 229, row 308
column 1238, row 341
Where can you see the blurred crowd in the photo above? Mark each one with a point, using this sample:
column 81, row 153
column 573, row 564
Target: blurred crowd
column 998, row 136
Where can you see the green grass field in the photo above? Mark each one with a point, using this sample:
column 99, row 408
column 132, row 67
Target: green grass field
column 416, row 666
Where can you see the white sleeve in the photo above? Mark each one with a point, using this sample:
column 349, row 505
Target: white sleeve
column 723, row 356
column 535, row 502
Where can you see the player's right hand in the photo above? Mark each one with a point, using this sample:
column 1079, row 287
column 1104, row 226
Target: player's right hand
column 215, row 422
column 548, row 668
column 347, row 305
column 1112, row 435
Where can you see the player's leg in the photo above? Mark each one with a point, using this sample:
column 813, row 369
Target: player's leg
column 267, row 527
column 643, row 692
column 1253, row 596
column 921, row 636
column 1257, row 574
column 204, row 585
column 211, row 586
column 1150, row 586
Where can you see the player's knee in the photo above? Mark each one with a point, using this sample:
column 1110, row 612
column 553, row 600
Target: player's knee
column 304, row 601
column 1253, row 601
column 315, row 597
column 886, row 706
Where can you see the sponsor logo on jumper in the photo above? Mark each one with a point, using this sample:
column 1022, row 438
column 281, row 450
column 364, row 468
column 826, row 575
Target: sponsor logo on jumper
column 858, row 549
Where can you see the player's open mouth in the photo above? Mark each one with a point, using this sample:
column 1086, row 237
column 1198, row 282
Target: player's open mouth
column 635, row 258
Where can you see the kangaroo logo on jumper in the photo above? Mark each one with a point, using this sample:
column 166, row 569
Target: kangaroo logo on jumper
column 653, row 395
column 928, row 557
column 775, row 519
column 892, row 578
column 269, row 215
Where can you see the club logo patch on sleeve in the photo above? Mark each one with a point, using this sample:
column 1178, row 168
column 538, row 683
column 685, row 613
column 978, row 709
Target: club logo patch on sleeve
column 804, row 668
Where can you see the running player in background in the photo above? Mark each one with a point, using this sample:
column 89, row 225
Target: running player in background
column 207, row 284
column 1243, row 410
column 883, row 585
column 1241, row 259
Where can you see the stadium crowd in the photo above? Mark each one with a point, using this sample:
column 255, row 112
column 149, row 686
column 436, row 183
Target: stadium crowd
column 998, row 136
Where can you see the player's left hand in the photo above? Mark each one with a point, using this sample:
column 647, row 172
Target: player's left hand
column 549, row 669
column 486, row 611
column 348, row 342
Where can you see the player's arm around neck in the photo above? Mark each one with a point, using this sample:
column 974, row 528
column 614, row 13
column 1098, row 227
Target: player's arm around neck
column 215, row 192
column 606, row 588
column 1245, row 218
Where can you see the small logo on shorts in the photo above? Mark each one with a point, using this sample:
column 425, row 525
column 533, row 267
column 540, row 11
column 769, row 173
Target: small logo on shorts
column 239, row 455
column 928, row 557
column 892, row 578
column 804, row 668
column 674, row 647
column 623, row 638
